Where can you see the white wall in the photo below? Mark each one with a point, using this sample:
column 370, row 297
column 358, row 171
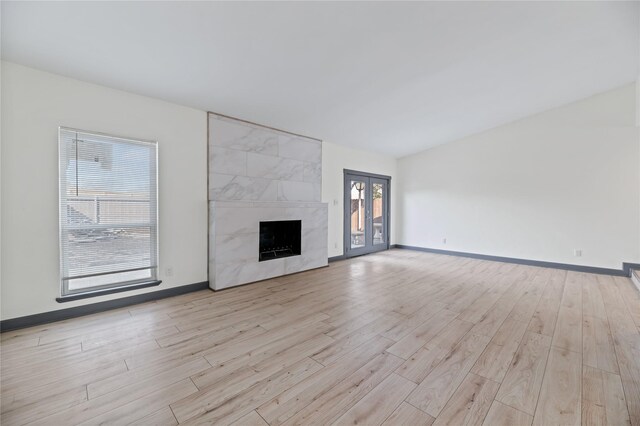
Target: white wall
column 638, row 126
column 34, row 104
column 336, row 158
column 536, row 189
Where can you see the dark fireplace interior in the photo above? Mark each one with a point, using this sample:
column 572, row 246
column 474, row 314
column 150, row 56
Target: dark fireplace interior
column 280, row 239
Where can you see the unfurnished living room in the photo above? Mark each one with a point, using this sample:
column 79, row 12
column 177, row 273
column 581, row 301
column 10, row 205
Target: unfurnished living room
column 317, row 213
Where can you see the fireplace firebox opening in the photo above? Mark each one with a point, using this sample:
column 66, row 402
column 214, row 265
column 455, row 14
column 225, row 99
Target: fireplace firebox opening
column 280, row 238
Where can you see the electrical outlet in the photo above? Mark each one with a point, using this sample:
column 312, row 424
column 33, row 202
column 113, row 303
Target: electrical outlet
column 335, row 245
column 577, row 252
column 444, row 241
column 169, row 271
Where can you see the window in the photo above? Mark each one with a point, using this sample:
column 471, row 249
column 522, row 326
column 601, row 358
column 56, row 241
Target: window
column 108, row 212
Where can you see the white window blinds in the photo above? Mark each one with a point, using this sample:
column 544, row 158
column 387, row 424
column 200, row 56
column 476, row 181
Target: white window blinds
column 108, row 211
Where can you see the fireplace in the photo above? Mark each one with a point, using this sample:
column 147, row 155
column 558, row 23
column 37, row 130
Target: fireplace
column 280, row 239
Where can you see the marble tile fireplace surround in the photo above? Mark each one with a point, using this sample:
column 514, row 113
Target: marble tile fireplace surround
column 257, row 174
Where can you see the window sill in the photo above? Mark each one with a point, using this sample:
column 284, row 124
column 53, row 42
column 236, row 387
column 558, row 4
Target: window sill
column 97, row 293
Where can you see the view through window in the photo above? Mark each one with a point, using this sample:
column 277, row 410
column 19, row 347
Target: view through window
column 108, row 211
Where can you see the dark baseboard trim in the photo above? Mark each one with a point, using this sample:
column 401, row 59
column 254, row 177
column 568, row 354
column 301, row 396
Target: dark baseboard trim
column 79, row 296
column 628, row 268
column 343, row 257
column 543, row 264
column 78, row 311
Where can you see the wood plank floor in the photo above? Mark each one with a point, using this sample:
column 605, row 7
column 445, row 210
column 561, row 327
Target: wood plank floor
column 393, row 338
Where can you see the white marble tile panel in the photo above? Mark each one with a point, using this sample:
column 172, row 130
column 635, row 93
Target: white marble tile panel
column 297, row 191
column 232, row 221
column 300, row 148
column 313, row 239
column 211, row 274
column 227, row 187
column 217, row 183
column 212, row 245
column 309, row 260
column 237, row 247
column 242, row 136
column 227, row 161
column 266, row 166
column 312, row 172
column 212, row 215
column 237, row 273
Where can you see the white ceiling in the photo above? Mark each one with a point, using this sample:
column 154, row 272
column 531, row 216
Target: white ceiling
column 387, row 76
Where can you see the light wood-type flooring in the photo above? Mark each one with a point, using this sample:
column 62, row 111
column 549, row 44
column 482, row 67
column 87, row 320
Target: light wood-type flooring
column 394, row 338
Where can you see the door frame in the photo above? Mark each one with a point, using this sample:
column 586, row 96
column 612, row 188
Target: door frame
column 346, row 226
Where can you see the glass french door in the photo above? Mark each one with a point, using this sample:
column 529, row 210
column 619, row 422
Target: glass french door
column 366, row 215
